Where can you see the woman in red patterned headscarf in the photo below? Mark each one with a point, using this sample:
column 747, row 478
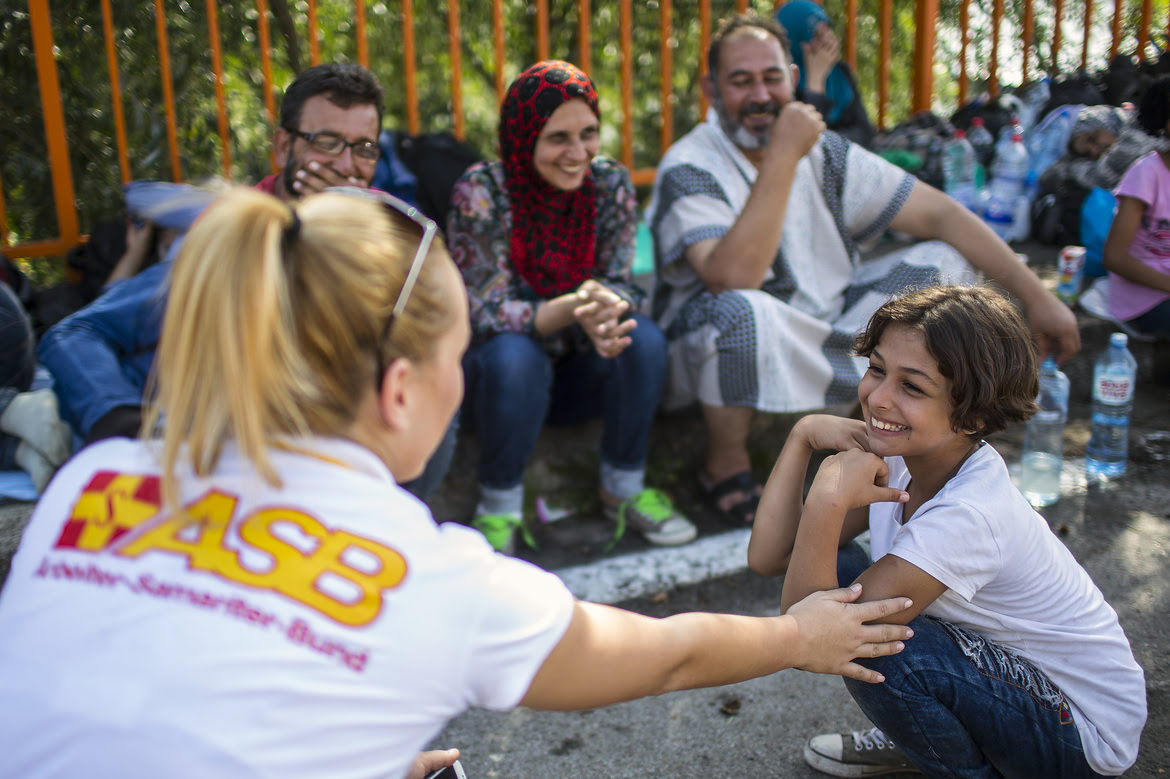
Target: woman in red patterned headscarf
column 545, row 241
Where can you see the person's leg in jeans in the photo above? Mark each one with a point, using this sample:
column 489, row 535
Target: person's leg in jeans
column 959, row 705
column 625, row 391
column 1156, row 321
column 508, row 380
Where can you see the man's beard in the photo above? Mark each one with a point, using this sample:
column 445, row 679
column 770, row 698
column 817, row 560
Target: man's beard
column 735, row 130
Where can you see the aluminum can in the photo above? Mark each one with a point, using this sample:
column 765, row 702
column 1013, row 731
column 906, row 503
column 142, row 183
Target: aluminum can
column 1071, row 266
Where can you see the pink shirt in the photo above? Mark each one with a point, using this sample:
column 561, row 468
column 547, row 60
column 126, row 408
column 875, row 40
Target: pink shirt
column 1147, row 180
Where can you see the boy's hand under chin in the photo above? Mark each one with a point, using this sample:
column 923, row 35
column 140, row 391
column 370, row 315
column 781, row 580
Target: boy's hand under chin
column 852, row 479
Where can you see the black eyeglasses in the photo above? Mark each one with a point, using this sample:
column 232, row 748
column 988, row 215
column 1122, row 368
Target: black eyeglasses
column 331, row 143
column 429, row 228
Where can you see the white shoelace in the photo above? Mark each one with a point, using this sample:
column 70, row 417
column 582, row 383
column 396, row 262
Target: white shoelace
column 871, row 739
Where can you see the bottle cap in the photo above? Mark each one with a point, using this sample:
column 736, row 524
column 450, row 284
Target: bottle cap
column 977, row 121
column 1120, row 340
column 960, row 134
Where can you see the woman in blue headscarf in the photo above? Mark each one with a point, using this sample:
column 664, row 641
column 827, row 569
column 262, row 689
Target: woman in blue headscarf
column 826, row 82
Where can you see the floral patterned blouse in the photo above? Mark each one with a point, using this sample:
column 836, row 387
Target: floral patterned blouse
column 479, row 237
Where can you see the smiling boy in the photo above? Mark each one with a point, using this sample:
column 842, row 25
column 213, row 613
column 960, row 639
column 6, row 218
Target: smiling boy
column 1018, row 665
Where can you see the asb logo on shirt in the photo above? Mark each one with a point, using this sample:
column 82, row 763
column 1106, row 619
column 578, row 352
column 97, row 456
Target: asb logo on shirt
column 339, row 574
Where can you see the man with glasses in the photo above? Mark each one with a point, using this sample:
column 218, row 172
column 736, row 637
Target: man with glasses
column 101, row 355
column 328, row 136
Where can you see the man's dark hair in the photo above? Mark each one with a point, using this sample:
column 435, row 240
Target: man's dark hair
column 1154, row 107
column 734, row 24
column 343, row 84
column 982, row 346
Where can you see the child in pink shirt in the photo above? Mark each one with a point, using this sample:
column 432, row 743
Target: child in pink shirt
column 1137, row 251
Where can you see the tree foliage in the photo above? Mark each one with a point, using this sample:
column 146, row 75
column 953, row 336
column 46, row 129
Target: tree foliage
column 87, row 101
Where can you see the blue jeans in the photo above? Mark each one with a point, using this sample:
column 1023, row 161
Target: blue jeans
column 513, row 387
column 18, row 362
column 1156, row 321
column 960, row 705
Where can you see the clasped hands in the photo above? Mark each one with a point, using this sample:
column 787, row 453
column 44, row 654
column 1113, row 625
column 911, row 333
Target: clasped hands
column 600, row 313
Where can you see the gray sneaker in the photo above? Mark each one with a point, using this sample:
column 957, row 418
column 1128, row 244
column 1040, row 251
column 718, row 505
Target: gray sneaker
column 651, row 513
column 860, row 753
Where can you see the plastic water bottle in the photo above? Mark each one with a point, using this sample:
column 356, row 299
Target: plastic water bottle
column 959, row 166
column 1008, row 177
column 1114, row 376
column 1013, row 127
column 981, row 141
column 1035, row 98
column 1043, row 454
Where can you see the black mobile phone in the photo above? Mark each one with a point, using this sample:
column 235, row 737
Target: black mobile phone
column 453, row 771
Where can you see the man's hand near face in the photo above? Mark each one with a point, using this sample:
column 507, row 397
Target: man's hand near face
column 316, row 176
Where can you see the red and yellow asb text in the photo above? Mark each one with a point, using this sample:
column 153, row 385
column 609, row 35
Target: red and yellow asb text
column 119, row 514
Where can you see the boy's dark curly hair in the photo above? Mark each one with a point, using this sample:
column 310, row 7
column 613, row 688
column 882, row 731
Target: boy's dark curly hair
column 982, row 346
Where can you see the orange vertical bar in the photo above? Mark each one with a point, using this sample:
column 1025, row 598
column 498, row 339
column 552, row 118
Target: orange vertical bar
column 1057, row 37
column 627, row 46
column 456, row 65
column 541, row 30
column 1144, row 29
column 704, row 44
column 740, row 6
column 314, row 44
column 1028, row 35
column 993, row 78
column 408, row 55
column 1118, row 11
column 584, row 35
column 363, row 48
column 964, row 44
column 220, row 99
column 666, row 71
column 851, row 33
column 927, row 17
column 887, row 26
column 1088, row 26
column 54, row 117
column 501, row 52
column 164, row 60
column 115, row 92
column 266, row 69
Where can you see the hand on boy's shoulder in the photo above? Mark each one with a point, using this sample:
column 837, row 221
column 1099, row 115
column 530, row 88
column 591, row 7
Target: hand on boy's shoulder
column 852, row 479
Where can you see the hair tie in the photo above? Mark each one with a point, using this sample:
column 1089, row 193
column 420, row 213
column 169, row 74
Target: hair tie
column 292, row 230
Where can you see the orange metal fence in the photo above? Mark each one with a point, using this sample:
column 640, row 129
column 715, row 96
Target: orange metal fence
column 922, row 56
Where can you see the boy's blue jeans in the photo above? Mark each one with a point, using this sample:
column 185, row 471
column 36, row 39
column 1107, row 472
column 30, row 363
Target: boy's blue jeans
column 514, row 387
column 959, row 705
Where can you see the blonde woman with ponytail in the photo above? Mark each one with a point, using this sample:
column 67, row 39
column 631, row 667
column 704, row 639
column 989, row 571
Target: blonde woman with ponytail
column 252, row 594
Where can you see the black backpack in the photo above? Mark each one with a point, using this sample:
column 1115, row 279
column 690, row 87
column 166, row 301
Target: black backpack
column 437, row 160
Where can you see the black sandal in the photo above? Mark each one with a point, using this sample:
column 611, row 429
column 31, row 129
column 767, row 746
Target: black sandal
column 743, row 512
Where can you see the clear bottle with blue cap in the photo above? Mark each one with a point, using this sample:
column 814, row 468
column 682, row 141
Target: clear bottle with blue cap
column 1043, row 455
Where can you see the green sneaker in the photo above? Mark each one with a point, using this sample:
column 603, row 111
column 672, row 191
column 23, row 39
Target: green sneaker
column 651, row 513
column 500, row 531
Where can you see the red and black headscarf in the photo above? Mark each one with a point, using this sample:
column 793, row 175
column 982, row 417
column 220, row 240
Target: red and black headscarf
column 553, row 231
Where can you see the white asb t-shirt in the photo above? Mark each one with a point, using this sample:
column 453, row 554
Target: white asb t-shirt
column 326, row 628
column 1012, row 581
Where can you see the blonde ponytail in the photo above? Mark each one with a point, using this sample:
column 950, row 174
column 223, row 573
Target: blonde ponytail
column 273, row 333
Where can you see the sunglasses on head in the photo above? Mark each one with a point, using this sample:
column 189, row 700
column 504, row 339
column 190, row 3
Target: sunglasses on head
column 428, row 227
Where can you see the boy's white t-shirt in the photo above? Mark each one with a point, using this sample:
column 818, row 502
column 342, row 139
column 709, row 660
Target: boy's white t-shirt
column 326, row 628
column 1011, row 580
